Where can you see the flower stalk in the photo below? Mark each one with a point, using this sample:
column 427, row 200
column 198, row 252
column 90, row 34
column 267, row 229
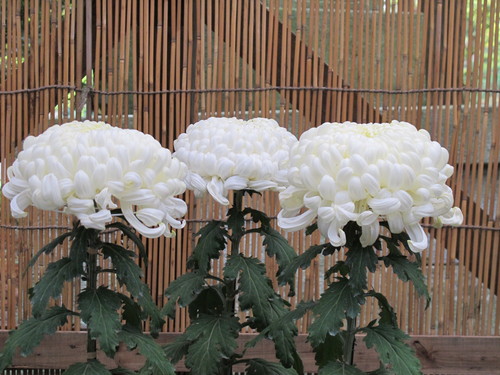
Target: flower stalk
column 91, row 278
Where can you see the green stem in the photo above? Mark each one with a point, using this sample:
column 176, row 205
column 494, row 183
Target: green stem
column 236, row 236
column 91, row 285
column 350, row 341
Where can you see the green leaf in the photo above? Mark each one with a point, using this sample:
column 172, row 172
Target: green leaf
column 130, row 274
column 31, row 332
column 339, row 368
column 127, row 231
column 277, row 245
column 79, row 247
column 213, row 339
column 259, row 366
column 178, row 348
column 408, row 271
column 282, row 331
column 47, row 249
column 183, row 290
column 122, row 371
column 208, row 301
column 332, row 349
column 337, row 302
column 99, row 310
column 360, row 259
column 132, row 313
column 257, row 216
column 51, row 283
column 339, row 267
column 387, row 313
column 388, row 342
column 301, row 261
column 256, row 291
column 212, row 241
column 157, row 362
column 87, row 368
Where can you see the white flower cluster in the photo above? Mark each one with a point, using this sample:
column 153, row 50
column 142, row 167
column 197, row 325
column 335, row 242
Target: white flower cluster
column 366, row 172
column 225, row 154
column 86, row 168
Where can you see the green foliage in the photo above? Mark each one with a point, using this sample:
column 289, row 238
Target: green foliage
column 302, row 261
column 87, row 368
column 359, row 260
column 389, row 344
column 337, row 302
column 262, row 367
column 213, row 339
column 212, row 241
column 408, row 271
column 130, row 274
column 49, row 248
column 30, row 332
column 277, row 245
column 99, row 310
column 255, row 288
column 184, row 291
column 51, row 283
column 339, row 368
column 157, row 362
column 134, row 237
column 331, row 349
column 79, row 246
column 387, row 313
column 209, row 301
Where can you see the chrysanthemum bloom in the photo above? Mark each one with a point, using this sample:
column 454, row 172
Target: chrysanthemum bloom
column 87, row 168
column 225, row 154
column 366, row 173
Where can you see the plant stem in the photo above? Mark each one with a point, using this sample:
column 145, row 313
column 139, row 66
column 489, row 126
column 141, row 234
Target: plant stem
column 91, row 285
column 350, row 340
column 236, row 235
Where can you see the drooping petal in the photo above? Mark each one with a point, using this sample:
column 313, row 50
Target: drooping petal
column 418, row 239
column 293, row 223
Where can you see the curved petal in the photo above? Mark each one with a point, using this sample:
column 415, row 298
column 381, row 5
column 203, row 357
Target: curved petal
column 336, row 235
column 369, row 233
column 418, row 239
column 453, row 217
column 295, row 222
column 19, row 203
column 104, row 199
column 216, row 189
column 150, row 216
column 97, row 220
column 261, row 185
column 140, row 227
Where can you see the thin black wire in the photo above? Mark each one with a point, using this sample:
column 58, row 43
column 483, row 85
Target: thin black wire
column 92, row 91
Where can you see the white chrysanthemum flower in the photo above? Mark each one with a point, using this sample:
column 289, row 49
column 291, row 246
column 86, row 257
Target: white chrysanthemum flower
column 86, row 168
column 225, row 154
column 366, row 172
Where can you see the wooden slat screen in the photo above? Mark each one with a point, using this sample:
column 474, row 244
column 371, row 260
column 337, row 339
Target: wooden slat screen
column 159, row 65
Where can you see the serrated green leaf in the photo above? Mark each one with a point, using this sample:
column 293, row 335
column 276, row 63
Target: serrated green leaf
column 99, row 310
column 337, row 302
column 122, row 371
column 31, row 332
column 339, row 368
column 129, row 232
column 130, row 274
column 359, row 260
column 79, row 247
column 277, row 245
column 183, row 291
column 47, row 249
column 132, row 313
column 211, row 242
column 388, row 342
column 387, row 313
column 311, row 229
column 156, row 359
column 87, row 368
column 256, row 291
column 51, row 283
column 257, row 216
column 339, row 267
column 332, row 349
column 408, row 271
column 178, row 348
column 301, row 261
column 213, row 339
column 208, row 301
column 259, row 366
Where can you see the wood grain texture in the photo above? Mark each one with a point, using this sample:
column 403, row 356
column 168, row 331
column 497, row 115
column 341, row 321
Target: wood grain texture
column 438, row 354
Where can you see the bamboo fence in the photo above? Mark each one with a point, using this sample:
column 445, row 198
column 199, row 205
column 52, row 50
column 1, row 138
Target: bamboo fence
column 159, row 65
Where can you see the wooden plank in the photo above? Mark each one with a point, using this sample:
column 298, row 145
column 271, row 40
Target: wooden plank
column 438, row 354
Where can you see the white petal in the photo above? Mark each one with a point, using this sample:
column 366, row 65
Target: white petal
column 83, row 185
column 418, row 239
column 236, row 183
column 141, row 197
column 77, row 205
column 150, row 216
column 19, row 203
column 103, row 199
column 216, row 189
column 295, row 222
column 384, row 206
column 195, row 182
column 261, row 185
column 336, row 236
column 369, row 233
column 453, row 217
column 97, row 220
column 140, row 227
